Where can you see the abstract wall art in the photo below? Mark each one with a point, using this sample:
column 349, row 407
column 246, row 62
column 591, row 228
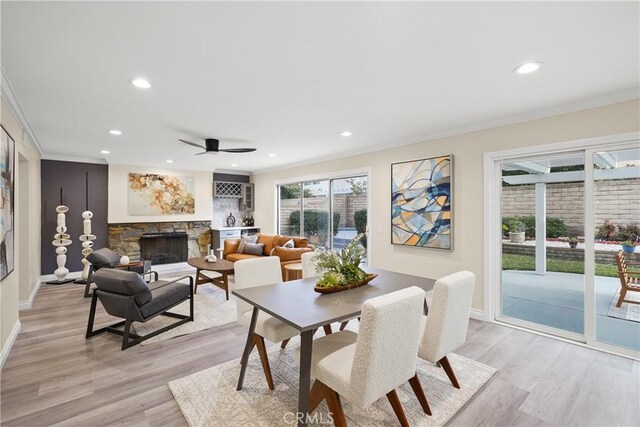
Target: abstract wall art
column 153, row 194
column 7, row 193
column 421, row 199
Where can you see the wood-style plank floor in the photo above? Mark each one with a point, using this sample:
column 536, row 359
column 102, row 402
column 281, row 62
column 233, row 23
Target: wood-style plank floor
column 54, row 376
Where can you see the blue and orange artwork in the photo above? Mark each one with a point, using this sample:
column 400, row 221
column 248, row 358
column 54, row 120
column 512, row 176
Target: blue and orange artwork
column 421, row 203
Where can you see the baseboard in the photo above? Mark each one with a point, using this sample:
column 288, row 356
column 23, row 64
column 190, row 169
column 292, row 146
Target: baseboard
column 4, row 355
column 26, row 305
column 477, row 314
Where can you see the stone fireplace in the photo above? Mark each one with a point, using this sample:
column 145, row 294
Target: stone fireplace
column 127, row 238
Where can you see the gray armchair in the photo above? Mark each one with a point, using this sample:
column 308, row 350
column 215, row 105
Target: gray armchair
column 126, row 295
column 106, row 258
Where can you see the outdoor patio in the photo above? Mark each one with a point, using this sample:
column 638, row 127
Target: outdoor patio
column 557, row 300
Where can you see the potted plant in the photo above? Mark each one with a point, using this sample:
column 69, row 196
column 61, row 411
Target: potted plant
column 339, row 271
column 629, row 246
column 516, row 230
column 573, row 242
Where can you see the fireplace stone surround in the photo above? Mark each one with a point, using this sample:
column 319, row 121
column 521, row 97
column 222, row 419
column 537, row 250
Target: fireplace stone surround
column 124, row 238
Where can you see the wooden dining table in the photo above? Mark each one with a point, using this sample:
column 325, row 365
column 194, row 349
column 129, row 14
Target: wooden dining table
column 299, row 306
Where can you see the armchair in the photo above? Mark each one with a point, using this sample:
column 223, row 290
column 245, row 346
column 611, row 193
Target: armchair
column 126, row 295
column 106, row 258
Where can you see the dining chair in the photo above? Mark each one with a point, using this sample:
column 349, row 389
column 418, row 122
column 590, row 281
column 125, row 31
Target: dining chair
column 366, row 366
column 445, row 327
column 308, row 264
column 254, row 272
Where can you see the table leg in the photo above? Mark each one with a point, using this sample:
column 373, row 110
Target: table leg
column 247, row 347
column 425, row 308
column 195, row 288
column 225, row 280
column 304, row 384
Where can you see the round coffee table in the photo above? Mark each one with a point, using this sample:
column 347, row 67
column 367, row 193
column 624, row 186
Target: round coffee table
column 221, row 266
column 295, row 269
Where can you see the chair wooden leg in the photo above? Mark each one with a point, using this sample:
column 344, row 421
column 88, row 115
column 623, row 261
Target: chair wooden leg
column 623, row 293
column 262, row 351
column 343, row 325
column 335, row 407
column 397, row 407
column 449, row 370
column 327, row 329
column 317, row 395
column 284, row 343
column 419, row 392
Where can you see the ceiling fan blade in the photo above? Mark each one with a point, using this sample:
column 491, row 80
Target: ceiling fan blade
column 204, row 152
column 238, row 150
column 191, row 143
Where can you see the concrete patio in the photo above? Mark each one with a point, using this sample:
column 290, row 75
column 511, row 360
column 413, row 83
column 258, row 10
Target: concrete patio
column 557, row 300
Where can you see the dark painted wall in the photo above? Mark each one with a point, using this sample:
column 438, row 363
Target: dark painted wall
column 71, row 177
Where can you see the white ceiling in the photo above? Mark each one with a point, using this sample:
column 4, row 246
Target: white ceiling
column 288, row 78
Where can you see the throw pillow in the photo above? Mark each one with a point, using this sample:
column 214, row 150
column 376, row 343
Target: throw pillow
column 250, row 239
column 289, row 244
column 253, row 248
column 241, row 246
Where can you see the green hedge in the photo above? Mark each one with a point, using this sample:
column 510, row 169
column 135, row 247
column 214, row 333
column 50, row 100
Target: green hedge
column 555, row 226
column 315, row 222
column 360, row 219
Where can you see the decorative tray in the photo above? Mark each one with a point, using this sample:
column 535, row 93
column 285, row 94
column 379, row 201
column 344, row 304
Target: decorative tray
column 334, row 289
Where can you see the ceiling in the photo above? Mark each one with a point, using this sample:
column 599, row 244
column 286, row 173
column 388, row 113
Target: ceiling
column 288, row 78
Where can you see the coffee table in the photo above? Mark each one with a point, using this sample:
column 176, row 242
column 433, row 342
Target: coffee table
column 221, row 266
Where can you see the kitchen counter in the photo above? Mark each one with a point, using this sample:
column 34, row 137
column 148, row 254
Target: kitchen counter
column 234, row 228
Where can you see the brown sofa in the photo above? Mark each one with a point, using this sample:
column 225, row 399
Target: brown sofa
column 272, row 247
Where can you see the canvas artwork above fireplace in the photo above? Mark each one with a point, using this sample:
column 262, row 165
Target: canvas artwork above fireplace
column 155, row 194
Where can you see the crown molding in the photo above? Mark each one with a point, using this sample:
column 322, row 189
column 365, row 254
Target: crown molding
column 14, row 106
column 63, row 158
column 613, row 98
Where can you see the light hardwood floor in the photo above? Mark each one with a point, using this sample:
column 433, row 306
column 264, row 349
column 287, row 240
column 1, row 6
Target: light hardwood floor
column 55, row 377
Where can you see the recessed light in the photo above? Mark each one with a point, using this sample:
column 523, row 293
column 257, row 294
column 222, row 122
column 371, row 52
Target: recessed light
column 169, row 161
column 141, row 83
column 271, row 155
column 105, row 151
column 346, row 133
column 115, row 132
column 234, row 165
column 527, row 67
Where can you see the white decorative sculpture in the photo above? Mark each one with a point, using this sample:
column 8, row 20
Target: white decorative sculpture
column 124, row 260
column 61, row 240
column 87, row 242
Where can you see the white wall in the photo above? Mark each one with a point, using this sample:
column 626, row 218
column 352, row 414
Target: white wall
column 20, row 284
column 118, row 209
column 468, row 152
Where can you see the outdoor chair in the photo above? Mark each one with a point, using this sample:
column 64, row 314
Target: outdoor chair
column 106, row 258
column 629, row 280
column 126, row 295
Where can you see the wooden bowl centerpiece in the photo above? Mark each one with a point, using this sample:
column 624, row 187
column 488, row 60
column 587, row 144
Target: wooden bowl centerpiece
column 339, row 271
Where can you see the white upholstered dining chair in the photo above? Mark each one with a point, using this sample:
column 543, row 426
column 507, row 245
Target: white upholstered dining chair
column 250, row 273
column 366, row 366
column 308, row 265
column 445, row 327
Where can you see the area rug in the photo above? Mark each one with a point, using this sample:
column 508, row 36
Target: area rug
column 626, row 311
column 209, row 397
column 210, row 308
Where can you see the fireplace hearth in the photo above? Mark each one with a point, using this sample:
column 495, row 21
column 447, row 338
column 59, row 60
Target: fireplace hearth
column 164, row 248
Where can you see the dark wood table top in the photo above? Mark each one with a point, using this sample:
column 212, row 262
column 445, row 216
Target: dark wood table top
column 220, row 266
column 132, row 264
column 298, row 305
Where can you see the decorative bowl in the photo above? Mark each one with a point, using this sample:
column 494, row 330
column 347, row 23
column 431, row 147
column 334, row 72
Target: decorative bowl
column 333, row 289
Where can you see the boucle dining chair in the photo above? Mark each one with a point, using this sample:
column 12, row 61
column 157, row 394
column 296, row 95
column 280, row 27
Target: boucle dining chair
column 254, row 272
column 445, row 327
column 366, row 366
column 308, row 264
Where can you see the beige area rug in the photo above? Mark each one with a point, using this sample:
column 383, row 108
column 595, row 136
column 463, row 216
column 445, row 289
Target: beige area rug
column 209, row 397
column 626, row 311
column 210, row 308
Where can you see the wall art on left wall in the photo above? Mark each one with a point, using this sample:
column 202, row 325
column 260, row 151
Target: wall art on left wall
column 7, row 197
column 154, row 194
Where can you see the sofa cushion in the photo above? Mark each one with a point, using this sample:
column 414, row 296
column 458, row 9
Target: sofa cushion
column 238, row 257
column 289, row 254
column 165, row 296
column 230, row 247
column 269, row 241
column 251, row 248
column 300, row 242
column 127, row 283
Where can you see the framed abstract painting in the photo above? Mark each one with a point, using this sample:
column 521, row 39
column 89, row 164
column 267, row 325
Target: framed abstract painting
column 7, row 193
column 421, row 203
column 154, row 194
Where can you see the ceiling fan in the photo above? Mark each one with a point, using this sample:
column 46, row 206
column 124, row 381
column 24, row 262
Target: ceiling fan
column 211, row 146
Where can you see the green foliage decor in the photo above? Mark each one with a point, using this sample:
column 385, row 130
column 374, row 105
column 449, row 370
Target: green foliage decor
column 315, row 222
column 341, row 268
column 360, row 219
column 555, row 226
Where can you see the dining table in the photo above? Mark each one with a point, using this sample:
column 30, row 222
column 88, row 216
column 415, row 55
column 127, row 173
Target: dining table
column 297, row 304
